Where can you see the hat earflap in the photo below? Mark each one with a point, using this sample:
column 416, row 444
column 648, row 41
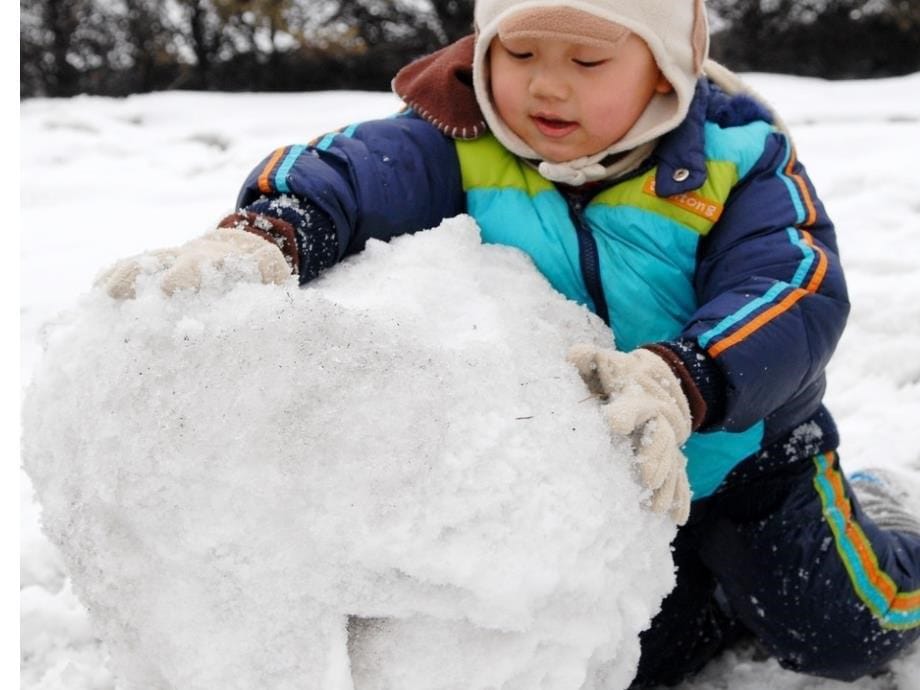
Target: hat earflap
column 700, row 37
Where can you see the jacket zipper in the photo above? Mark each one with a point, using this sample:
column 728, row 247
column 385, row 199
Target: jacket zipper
column 588, row 258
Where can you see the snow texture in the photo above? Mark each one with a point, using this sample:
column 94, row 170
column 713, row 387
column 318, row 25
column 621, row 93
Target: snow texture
column 103, row 178
column 390, row 479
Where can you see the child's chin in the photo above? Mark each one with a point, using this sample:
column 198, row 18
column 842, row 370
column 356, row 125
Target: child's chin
column 547, row 150
column 558, row 151
column 557, row 154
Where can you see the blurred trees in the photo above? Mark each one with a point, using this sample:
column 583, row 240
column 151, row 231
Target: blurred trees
column 67, row 44
column 834, row 39
column 123, row 46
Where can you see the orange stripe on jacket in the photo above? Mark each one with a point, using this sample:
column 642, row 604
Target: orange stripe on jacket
column 778, row 309
column 792, row 298
column 264, row 184
column 821, row 271
column 803, row 191
column 757, row 323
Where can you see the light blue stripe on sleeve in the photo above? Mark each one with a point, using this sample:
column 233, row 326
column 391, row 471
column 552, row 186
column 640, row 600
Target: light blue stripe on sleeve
column 797, row 280
column 327, row 140
column 790, row 185
column 807, row 261
column 281, row 175
column 747, row 309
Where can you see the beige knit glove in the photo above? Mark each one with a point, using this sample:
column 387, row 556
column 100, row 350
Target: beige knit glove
column 643, row 399
column 241, row 255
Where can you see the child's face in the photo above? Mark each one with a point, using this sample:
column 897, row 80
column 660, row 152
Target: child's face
column 568, row 100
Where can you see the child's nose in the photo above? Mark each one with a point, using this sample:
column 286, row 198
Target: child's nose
column 548, row 83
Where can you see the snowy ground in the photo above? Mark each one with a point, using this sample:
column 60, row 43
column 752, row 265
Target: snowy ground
column 104, row 178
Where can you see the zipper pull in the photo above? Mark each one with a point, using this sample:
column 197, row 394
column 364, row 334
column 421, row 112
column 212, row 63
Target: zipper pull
column 576, row 204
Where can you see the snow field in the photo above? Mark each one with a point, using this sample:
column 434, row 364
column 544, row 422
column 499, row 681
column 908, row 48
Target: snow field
column 105, row 178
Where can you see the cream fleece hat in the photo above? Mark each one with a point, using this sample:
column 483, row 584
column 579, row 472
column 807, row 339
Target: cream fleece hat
column 676, row 31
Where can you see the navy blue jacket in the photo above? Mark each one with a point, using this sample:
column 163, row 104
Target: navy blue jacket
column 765, row 300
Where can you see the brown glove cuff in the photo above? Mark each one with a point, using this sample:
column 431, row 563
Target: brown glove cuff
column 274, row 230
column 695, row 400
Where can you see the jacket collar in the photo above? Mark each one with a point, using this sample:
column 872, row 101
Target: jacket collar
column 680, row 154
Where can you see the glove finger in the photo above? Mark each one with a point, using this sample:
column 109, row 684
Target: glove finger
column 272, row 266
column 163, row 258
column 663, row 497
column 680, row 509
column 185, row 274
column 105, row 274
column 675, row 410
column 679, row 422
column 613, row 372
column 627, row 412
column 657, row 455
column 235, row 241
column 583, row 356
column 654, row 458
column 119, row 281
column 665, row 388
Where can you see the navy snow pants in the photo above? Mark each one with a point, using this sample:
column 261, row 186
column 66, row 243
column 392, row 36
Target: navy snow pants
column 785, row 554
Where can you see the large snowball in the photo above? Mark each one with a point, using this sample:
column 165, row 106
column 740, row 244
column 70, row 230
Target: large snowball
column 391, row 479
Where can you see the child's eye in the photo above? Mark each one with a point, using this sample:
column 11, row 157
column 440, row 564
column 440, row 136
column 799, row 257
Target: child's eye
column 589, row 63
column 519, row 56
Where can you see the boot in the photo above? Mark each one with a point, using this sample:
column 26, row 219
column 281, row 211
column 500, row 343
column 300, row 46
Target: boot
column 887, row 498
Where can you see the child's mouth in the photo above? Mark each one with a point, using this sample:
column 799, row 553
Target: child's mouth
column 552, row 126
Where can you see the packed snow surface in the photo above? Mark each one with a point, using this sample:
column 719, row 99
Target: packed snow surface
column 392, row 478
column 105, row 178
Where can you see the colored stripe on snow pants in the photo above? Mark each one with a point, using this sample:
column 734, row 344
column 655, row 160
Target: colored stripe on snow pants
column 892, row 608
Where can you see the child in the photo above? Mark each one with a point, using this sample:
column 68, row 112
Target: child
column 595, row 136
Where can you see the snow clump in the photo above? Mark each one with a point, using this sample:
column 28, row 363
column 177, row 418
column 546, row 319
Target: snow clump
column 389, row 479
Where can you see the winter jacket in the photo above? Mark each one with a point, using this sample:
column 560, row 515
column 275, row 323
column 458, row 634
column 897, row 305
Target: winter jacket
column 716, row 253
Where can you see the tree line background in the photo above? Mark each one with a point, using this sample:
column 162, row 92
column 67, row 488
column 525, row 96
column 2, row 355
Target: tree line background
column 116, row 47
